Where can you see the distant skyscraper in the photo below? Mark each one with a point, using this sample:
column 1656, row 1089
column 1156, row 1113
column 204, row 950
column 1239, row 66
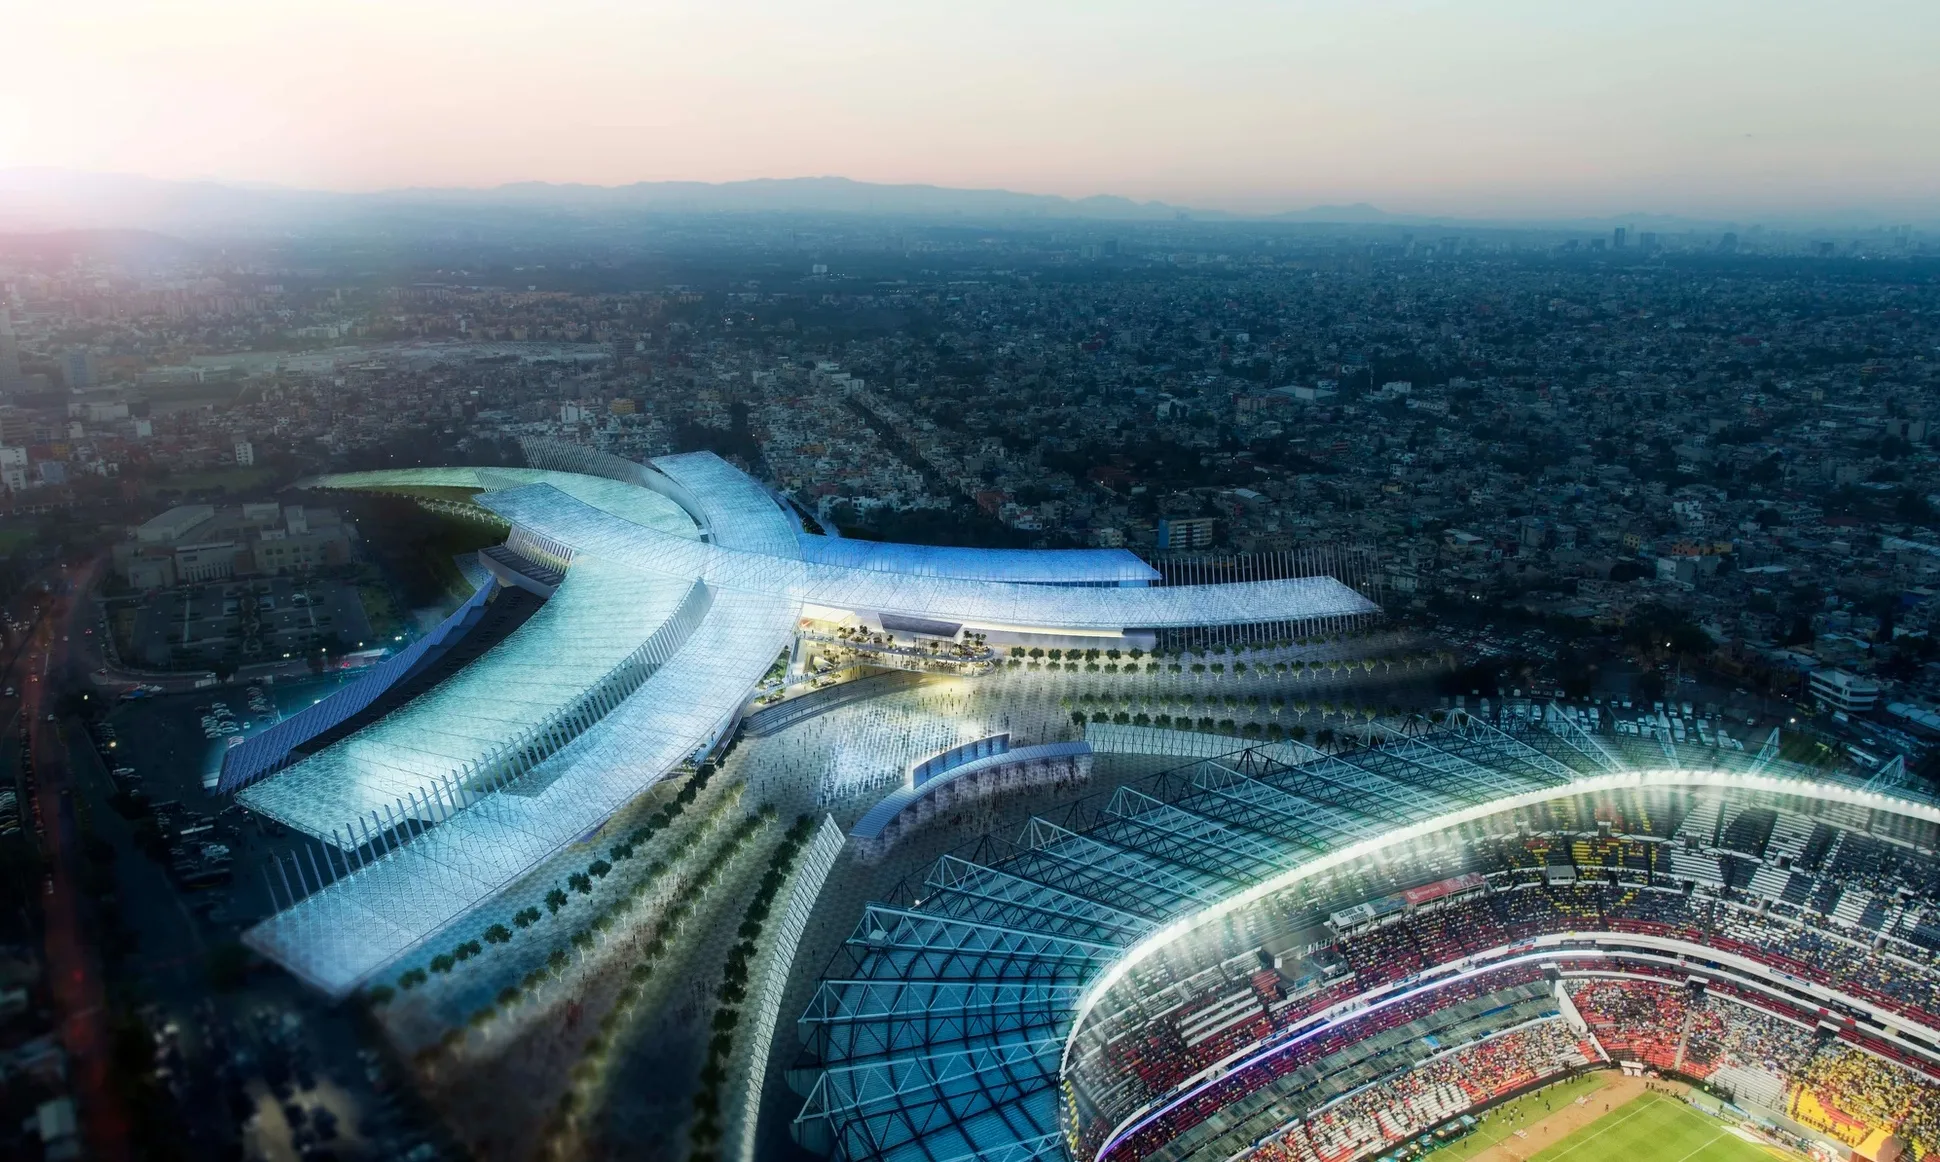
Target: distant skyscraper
column 79, row 369
column 11, row 381
column 1189, row 533
column 1619, row 237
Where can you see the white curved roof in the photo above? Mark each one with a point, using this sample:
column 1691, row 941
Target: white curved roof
column 601, row 613
column 1068, row 567
column 548, row 511
column 686, row 581
column 737, row 512
column 337, row 937
column 629, row 502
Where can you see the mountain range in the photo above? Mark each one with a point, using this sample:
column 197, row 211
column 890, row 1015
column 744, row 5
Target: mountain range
column 51, row 199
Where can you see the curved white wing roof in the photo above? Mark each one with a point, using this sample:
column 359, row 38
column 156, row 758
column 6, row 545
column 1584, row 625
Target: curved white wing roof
column 550, row 512
column 601, row 613
column 629, row 502
column 687, row 580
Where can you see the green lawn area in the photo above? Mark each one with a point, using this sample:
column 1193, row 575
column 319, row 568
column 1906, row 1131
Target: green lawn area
column 1499, row 1122
column 1655, row 1128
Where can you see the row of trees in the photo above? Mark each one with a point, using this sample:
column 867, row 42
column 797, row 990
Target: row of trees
column 596, row 1054
column 1249, row 729
column 733, row 991
column 1296, row 668
column 556, row 899
column 615, row 913
column 1251, row 703
column 1236, row 649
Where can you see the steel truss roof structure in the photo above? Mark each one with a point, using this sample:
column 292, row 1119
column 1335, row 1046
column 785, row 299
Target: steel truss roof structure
column 683, row 581
column 945, row 1029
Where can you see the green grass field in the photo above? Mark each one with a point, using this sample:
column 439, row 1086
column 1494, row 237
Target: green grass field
column 1655, row 1128
column 1501, row 1121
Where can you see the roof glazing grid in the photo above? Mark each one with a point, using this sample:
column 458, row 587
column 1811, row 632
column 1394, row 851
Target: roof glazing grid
column 340, row 935
column 586, row 529
column 739, row 513
column 600, row 614
column 262, row 752
column 1034, row 929
column 1029, row 566
column 629, row 502
column 1030, row 933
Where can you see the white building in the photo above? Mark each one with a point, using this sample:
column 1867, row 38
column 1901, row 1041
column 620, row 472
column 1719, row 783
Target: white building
column 1838, row 690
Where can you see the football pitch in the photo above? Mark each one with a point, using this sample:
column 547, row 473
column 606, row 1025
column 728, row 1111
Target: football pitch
column 1655, row 1128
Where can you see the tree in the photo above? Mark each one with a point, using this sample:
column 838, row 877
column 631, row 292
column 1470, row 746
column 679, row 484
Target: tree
column 580, row 882
column 526, row 917
column 599, row 867
column 555, row 900
column 442, row 962
column 227, row 965
column 499, row 933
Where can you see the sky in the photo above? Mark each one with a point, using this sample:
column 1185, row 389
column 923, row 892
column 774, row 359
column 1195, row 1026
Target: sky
column 1482, row 107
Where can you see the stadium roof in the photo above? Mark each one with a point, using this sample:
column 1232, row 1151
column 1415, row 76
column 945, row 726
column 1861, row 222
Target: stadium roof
column 1029, row 566
column 588, row 529
column 684, row 581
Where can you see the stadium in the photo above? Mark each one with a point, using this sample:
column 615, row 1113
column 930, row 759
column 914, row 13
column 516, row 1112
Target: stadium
column 1051, row 923
column 1283, row 955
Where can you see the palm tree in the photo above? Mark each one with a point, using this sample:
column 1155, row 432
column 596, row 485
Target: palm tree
column 555, row 900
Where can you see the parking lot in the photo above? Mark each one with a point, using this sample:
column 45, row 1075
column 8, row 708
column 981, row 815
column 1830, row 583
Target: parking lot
column 240, row 622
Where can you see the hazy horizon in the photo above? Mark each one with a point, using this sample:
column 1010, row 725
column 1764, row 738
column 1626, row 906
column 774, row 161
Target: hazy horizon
column 1508, row 108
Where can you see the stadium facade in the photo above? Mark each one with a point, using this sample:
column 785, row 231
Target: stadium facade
column 625, row 625
column 1289, row 955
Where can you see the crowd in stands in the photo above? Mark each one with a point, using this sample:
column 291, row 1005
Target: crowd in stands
column 1419, row 1099
column 1249, row 1010
column 1851, row 1095
column 1664, row 1024
column 1725, row 1032
column 1884, row 868
column 1265, row 1068
column 1634, row 1020
column 1160, row 1056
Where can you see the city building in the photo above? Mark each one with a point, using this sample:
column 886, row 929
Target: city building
column 12, row 381
column 1839, row 690
column 201, row 542
column 79, row 368
column 1177, row 533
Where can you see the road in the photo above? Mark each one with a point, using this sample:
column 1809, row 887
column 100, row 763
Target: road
column 75, row 978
